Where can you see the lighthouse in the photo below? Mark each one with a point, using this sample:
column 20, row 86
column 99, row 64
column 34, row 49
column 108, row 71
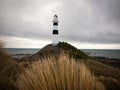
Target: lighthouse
column 55, row 32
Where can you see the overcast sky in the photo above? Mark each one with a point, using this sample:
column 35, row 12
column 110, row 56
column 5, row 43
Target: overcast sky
column 83, row 23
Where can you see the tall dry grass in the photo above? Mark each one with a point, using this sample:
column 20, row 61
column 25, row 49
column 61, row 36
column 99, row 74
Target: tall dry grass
column 52, row 73
column 62, row 74
column 9, row 71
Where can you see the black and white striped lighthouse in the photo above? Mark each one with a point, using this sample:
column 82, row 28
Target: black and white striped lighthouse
column 55, row 33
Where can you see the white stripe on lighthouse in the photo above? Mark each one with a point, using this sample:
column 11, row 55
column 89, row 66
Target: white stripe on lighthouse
column 55, row 27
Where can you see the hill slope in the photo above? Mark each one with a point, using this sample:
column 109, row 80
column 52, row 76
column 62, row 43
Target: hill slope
column 56, row 50
column 109, row 75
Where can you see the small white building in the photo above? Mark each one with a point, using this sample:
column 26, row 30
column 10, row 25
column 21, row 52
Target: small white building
column 55, row 33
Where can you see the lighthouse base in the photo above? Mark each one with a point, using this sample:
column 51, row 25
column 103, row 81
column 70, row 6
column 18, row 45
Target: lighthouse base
column 55, row 40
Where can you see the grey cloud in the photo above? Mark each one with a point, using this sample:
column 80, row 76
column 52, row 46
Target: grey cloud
column 109, row 10
column 97, row 23
column 93, row 21
column 12, row 23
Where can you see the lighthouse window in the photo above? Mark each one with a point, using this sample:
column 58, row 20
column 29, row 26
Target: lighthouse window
column 55, row 31
column 55, row 23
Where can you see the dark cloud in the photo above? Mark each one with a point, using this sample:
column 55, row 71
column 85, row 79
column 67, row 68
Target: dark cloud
column 92, row 21
column 109, row 10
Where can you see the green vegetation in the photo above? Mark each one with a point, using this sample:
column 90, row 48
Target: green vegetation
column 72, row 51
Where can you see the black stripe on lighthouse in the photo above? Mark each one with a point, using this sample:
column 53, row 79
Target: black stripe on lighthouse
column 55, row 31
column 55, row 24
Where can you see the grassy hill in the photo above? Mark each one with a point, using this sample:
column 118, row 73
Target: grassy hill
column 72, row 51
column 56, row 50
column 104, row 73
column 109, row 75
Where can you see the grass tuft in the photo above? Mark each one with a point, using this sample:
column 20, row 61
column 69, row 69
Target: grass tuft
column 62, row 74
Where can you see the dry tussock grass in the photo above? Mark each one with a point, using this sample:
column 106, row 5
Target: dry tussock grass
column 62, row 74
column 52, row 73
column 9, row 71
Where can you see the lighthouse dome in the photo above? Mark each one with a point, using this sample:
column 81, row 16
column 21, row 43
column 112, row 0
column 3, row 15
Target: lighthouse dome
column 55, row 19
column 55, row 15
